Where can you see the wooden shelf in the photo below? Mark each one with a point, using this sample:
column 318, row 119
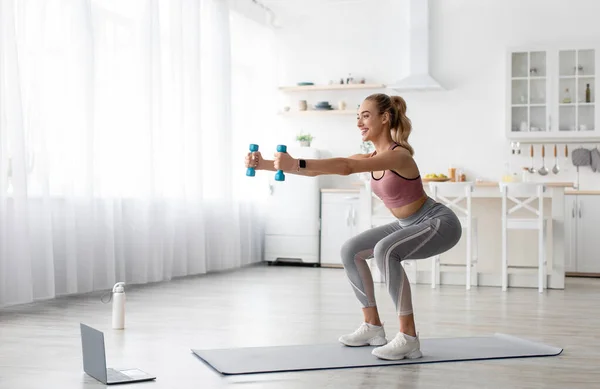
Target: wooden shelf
column 576, row 104
column 576, row 76
column 331, row 87
column 319, row 112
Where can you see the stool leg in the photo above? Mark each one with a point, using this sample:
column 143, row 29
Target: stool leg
column 545, row 260
column 540, row 259
column 469, row 258
column 434, row 269
column 504, row 248
column 415, row 271
column 475, row 256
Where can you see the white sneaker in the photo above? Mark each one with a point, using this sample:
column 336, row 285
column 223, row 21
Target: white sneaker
column 399, row 348
column 365, row 335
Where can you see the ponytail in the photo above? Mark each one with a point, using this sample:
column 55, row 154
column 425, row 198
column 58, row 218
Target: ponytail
column 401, row 124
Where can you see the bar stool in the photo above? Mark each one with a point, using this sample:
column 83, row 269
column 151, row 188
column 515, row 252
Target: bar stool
column 530, row 192
column 451, row 194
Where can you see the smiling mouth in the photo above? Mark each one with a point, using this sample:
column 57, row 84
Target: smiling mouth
column 363, row 131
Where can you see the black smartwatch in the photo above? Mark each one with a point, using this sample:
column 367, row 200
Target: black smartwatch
column 302, row 164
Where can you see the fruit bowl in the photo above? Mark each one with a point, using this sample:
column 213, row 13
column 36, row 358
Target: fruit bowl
column 435, row 178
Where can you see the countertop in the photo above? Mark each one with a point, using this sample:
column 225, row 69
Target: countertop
column 582, row 192
column 483, row 184
column 340, row 190
column 487, row 184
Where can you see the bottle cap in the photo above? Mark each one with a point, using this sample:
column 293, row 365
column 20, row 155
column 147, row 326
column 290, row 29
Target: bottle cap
column 118, row 288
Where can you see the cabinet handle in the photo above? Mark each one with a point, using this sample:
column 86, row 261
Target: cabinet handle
column 549, row 122
column 348, row 217
column 351, row 198
column 573, row 210
column 353, row 216
column 579, row 211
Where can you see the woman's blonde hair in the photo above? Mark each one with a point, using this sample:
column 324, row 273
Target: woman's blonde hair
column 400, row 124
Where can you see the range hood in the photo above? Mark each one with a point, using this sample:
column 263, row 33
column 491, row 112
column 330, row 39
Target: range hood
column 418, row 78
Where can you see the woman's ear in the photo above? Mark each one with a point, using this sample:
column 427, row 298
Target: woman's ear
column 385, row 117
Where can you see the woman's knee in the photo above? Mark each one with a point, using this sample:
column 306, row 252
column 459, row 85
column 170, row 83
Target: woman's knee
column 380, row 252
column 349, row 250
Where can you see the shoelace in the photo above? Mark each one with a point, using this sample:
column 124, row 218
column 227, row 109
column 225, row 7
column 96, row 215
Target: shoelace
column 398, row 341
column 361, row 330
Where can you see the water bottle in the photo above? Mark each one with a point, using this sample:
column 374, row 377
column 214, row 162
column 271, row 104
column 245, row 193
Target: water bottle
column 118, row 307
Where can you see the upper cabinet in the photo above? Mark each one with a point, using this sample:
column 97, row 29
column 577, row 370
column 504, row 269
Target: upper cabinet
column 552, row 94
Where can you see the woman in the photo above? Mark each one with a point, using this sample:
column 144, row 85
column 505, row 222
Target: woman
column 424, row 228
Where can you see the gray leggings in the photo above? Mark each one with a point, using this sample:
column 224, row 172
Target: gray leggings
column 432, row 230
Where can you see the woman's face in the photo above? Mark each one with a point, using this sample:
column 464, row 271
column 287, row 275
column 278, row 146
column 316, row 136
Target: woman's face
column 369, row 121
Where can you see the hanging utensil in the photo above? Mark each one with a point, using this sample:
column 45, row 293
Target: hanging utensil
column 581, row 157
column 543, row 171
column 531, row 169
column 555, row 169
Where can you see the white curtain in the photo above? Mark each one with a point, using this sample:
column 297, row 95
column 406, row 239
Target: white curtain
column 120, row 156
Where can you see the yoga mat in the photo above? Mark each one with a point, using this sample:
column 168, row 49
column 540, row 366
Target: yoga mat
column 252, row 360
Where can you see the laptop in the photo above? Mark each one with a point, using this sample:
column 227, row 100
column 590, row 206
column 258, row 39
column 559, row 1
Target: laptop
column 94, row 360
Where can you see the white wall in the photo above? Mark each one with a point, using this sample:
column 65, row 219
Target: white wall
column 463, row 126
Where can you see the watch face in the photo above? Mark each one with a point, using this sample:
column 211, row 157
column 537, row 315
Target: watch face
column 302, row 163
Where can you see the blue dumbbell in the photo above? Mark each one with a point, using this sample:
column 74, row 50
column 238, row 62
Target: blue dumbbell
column 250, row 172
column 279, row 176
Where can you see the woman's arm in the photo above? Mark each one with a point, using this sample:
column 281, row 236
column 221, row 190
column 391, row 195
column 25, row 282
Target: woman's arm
column 269, row 165
column 388, row 160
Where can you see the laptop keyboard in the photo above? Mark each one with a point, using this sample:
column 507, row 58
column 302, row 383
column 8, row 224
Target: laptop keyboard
column 116, row 376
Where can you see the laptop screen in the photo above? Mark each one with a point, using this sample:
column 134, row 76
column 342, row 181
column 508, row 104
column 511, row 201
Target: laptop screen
column 94, row 357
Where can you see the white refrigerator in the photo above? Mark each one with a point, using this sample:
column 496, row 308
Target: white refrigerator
column 293, row 221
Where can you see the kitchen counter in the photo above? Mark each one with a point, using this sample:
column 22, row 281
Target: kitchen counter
column 481, row 184
column 495, row 184
column 340, row 190
column 582, row 192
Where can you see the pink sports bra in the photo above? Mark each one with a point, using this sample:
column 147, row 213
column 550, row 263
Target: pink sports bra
column 395, row 190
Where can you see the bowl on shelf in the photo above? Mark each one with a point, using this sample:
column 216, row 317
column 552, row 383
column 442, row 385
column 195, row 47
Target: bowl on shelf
column 323, row 105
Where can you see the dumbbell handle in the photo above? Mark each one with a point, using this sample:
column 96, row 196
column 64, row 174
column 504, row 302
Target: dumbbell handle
column 279, row 176
column 251, row 172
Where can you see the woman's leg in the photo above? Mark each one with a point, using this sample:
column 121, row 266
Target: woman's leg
column 354, row 254
column 435, row 235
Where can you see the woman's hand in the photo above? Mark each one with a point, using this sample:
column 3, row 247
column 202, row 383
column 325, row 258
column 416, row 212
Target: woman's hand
column 285, row 162
column 254, row 160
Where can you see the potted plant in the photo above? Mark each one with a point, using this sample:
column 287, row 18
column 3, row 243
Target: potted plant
column 304, row 139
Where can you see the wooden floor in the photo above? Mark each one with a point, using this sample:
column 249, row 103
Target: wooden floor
column 258, row 306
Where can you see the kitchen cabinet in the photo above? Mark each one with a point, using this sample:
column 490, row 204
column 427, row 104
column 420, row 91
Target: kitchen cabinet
column 340, row 218
column 581, row 228
column 552, row 93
